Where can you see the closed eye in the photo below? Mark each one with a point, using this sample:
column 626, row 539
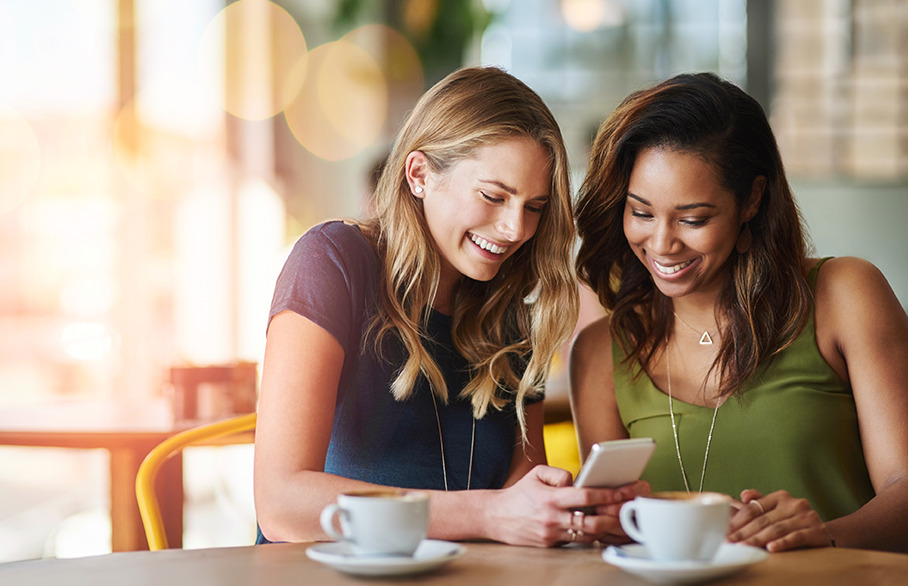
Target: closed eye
column 489, row 198
column 536, row 207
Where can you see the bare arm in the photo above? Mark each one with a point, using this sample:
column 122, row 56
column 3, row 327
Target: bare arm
column 592, row 388
column 300, row 376
column 862, row 332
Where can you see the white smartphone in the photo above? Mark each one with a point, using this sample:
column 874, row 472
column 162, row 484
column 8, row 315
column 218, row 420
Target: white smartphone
column 615, row 463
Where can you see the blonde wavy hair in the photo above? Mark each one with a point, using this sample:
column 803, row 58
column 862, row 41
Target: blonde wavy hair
column 521, row 316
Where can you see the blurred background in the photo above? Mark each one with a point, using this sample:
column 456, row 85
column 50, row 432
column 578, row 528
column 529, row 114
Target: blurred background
column 159, row 157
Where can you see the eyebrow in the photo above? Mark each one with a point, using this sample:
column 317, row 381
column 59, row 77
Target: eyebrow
column 500, row 185
column 509, row 189
column 686, row 207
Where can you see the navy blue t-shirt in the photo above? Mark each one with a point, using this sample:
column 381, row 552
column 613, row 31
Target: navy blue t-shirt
column 332, row 277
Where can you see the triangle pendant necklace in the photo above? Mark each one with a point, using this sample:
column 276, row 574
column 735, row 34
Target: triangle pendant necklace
column 705, row 339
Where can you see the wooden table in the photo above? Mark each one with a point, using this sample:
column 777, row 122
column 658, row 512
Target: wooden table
column 128, row 431
column 482, row 564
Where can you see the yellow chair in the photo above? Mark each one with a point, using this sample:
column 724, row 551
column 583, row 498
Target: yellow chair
column 561, row 446
column 208, row 434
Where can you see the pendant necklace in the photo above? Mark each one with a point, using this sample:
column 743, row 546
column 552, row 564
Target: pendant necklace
column 444, row 469
column 671, row 411
column 705, row 339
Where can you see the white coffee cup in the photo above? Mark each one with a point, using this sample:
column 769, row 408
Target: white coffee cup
column 379, row 522
column 676, row 526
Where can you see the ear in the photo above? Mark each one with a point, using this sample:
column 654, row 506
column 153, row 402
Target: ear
column 416, row 171
column 753, row 202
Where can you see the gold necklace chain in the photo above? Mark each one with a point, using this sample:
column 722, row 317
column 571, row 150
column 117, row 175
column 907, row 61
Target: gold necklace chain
column 444, row 469
column 671, row 412
column 705, row 339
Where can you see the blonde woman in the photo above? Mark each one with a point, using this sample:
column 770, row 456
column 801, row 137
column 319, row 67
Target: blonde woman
column 410, row 350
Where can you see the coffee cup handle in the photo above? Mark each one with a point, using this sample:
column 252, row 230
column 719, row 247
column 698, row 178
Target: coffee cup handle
column 628, row 523
column 327, row 521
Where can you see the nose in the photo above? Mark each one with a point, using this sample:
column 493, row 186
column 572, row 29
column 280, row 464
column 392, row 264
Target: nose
column 663, row 238
column 511, row 223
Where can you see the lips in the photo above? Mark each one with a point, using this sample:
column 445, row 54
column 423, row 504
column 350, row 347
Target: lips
column 487, row 246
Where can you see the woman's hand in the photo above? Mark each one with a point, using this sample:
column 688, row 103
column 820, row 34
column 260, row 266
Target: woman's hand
column 543, row 508
column 777, row 522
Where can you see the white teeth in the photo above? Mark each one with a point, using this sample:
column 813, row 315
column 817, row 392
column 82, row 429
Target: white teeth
column 671, row 270
column 486, row 245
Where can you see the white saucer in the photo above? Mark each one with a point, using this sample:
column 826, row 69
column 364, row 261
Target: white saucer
column 730, row 558
column 429, row 555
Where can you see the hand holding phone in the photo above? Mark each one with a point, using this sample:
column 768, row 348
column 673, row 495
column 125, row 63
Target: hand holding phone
column 615, row 463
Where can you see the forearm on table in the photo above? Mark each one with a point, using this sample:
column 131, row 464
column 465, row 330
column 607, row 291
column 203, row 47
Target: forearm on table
column 880, row 524
column 289, row 509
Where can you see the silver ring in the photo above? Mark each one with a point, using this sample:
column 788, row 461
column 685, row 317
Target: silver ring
column 756, row 502
column 576, row 528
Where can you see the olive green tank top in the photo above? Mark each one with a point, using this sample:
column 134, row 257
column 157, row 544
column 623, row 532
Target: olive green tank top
column 795, row 427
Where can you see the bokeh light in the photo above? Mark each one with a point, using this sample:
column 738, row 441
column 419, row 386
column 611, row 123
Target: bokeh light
column 253, row 57
column 20, row 159
column 343, row 104
column 589, row 15
column 86, row 340
column 419, row 16
column 400, row 65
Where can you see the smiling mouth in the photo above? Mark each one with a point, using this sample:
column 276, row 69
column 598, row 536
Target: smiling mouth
column 671, row 269
column 486, row 245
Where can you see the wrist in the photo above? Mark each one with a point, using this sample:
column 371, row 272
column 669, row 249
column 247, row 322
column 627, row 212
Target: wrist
column 461, row 515
column 481, row 508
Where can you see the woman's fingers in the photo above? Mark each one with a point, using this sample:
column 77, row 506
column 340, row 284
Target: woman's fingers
column 778, row 522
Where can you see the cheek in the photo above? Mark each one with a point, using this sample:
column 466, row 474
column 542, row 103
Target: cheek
column 632, row 232
column 715, row 242
column 532, row 224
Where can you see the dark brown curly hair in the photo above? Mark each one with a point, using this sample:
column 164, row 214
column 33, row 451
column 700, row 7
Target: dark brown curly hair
column 767, row 300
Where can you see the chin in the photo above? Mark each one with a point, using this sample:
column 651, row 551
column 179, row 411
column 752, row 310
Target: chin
column 478, row 274
column 483, row 277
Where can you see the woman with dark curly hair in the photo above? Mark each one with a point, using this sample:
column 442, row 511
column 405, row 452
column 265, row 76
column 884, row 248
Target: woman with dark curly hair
column 762, row 373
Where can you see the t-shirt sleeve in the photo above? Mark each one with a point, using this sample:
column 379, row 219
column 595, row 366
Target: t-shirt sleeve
column 323, row 280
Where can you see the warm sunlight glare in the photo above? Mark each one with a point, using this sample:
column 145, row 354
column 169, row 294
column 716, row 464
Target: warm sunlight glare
column 20, row 159
column 163, row 160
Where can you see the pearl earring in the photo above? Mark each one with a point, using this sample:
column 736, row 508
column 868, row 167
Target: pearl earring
column 417, row 189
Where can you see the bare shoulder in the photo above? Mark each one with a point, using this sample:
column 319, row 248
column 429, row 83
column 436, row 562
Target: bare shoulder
column 856, row 309
column 591, row 359
column 593, row 339
column 848, row 280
